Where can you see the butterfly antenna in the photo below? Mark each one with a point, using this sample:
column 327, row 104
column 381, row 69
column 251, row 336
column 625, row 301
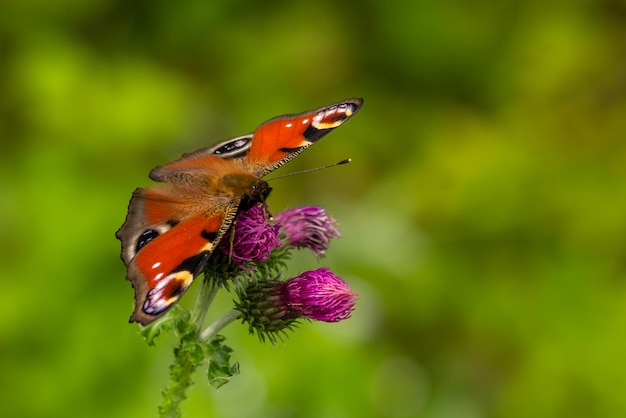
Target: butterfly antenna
column 342, row 162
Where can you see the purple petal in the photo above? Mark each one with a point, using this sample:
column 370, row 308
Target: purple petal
column 308, row 227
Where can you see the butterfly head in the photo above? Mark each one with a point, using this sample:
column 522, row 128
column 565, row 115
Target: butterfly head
column 257, row 193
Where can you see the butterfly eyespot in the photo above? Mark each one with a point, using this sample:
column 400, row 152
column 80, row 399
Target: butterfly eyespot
column 349, row 107
column 232, row 148
column 145, row 237
column 167, row 292
column 329, row 120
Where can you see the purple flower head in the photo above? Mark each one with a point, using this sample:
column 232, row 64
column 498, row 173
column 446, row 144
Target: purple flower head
column 254, row 238
column 319, row 295
column 271, row 307
column 309, row 227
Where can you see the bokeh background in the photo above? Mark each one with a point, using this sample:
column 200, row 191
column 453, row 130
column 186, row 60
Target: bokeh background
column 483, row 217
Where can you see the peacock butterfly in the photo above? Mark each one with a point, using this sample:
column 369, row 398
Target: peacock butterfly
column 171, row 229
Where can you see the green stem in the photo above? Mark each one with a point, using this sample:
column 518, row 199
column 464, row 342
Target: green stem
column 188, row 356
column 185, row 363
column 203, row 301
column 220, row 323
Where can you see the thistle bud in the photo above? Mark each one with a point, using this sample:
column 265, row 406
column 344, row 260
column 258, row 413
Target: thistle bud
column 272, row 307
column 319, row 295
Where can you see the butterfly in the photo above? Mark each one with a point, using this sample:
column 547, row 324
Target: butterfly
column 172, row 228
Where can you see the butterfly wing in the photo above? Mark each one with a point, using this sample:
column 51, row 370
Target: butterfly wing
column 171, row 230
column 282, row 138
column 167, row 238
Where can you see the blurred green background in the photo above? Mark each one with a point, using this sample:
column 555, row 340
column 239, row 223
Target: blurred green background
column 484, row 215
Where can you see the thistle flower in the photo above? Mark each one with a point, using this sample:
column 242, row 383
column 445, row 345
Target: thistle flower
column 319, row 295
column 252, row 237
column 308, row 227
column 272, row 307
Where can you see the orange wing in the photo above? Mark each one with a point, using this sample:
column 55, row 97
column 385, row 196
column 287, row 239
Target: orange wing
column 281, row 139
column 165, row 243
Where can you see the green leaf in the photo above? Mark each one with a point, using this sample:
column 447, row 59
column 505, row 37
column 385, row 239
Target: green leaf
column 220, row 370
